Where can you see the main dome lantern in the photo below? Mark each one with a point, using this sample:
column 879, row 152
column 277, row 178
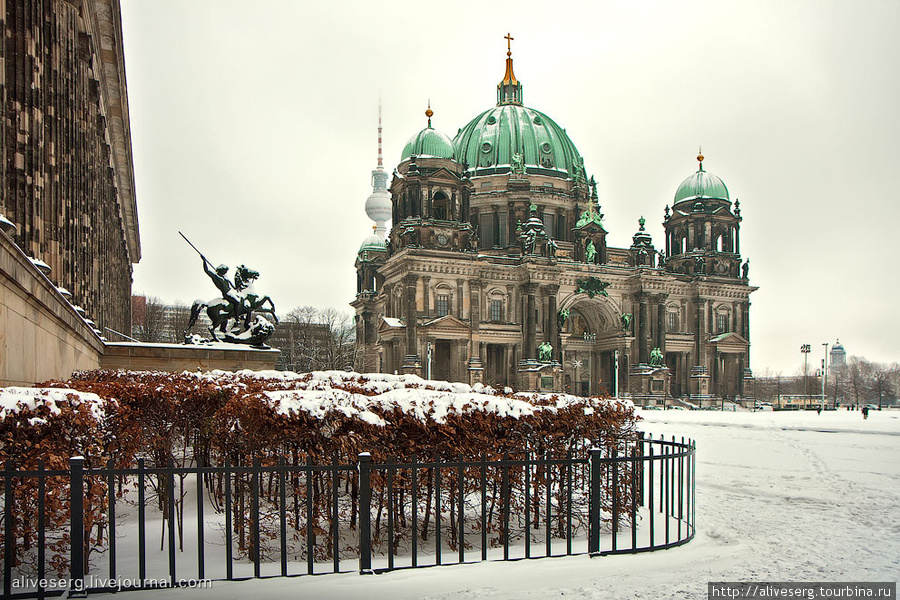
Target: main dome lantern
column 510, row 133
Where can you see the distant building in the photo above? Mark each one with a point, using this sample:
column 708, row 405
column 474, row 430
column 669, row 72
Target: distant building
column 153, row 321
column 838, row 355
column 300, row 345
column 66, row 174
column 497, row 269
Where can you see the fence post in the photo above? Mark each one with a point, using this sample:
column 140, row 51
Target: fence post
column 76, row 527
column 365, row 514
column 9, row 537
column 594, row 506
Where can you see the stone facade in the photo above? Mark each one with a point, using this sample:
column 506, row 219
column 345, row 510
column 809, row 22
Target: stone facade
column 498, row 270
column 42, row 337
column 66, row 172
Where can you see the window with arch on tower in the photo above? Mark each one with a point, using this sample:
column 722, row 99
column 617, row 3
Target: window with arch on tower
column 496, row 310
column 442, row 305
column 722, row 322
column 672, row 320
column 440, row 206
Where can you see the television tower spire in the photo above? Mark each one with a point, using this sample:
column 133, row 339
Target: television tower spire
column 378, row 206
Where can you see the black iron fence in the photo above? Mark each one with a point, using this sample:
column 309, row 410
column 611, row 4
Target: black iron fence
column 91, row 528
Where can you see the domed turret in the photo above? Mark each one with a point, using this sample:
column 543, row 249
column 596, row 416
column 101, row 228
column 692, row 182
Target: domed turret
column 428, row 143
column 702, row 185
column 373, row 242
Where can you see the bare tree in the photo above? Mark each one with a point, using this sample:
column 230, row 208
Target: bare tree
column 858, row 373
column 149, row 320
column 311, row 339
column 882, row 383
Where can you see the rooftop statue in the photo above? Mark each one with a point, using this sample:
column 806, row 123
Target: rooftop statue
column 590, row 252
column 545, row 351
column 656, row 358
column 235, row 316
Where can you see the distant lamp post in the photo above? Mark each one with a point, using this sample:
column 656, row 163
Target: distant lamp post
column 617, row 374
column 824, row 373
column 805, row 349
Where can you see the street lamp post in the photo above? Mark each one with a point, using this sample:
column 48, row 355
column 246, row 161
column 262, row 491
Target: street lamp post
column 617, row 374
column 824, row 373
column 805, row 348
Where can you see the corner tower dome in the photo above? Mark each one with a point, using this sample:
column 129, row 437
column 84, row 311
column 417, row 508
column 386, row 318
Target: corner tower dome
column 490, row 141
column 428, row 143
column 700, row 185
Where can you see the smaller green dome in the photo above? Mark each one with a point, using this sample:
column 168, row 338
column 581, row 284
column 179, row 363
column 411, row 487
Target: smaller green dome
column 702, row 184
column 373, row 242
column 428, row 143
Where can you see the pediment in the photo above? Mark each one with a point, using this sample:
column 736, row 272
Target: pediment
column 446, row 323
column 443, row 173
column 390, row 324
column 729, row 340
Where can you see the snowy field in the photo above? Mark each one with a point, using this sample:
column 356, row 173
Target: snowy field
column 782, row 496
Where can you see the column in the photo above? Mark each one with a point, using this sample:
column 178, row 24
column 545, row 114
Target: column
column 551, row 333
column 529, row 323
column 643, row 331
column 661, row 322
column 698, row 331
column 426, row 285
column 410, row 282
column 747, row 331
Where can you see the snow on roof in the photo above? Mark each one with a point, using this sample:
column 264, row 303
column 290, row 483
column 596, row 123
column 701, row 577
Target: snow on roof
column 392, row 322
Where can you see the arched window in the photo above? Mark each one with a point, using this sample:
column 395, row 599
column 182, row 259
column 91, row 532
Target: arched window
column 440, row 206
column 673, row 318
column 723, row 320
column 496, row 305
column 443, row 300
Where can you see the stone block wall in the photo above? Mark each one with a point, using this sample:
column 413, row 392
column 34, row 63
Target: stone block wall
column 41, row 335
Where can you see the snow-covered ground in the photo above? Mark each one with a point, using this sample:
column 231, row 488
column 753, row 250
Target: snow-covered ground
column 781, row 496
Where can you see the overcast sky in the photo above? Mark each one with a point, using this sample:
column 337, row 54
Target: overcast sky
column 254, row 133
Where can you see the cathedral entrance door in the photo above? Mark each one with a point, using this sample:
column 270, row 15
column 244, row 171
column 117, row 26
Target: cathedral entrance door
column 441, row 370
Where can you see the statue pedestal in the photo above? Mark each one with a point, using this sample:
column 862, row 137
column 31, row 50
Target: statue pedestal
column 700, row 385
column 649, row 386
column 535, row 376
column 412, row 365
column 476, row 370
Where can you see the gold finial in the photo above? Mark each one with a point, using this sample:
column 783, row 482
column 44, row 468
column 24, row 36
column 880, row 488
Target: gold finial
column 700, row 158
column 428, row 113
column 508, row 39
column 374, row 228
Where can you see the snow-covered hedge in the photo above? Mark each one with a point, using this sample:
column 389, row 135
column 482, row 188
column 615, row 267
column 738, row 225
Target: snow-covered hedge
column 268, row 416
column 271, row 413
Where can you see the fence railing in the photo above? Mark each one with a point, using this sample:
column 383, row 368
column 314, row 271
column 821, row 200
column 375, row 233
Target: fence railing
column 255, row 520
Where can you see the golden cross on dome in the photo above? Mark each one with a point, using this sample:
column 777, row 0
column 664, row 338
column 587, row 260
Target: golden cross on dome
column 508, row 39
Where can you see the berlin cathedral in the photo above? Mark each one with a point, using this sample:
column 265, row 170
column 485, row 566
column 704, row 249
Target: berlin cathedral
column 496, row 269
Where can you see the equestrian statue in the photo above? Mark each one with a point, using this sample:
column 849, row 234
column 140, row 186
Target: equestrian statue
column 236, row 316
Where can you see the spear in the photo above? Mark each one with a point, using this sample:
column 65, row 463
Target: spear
column 195, row 248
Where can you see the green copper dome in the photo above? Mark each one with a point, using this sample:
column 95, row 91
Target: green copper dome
column 490, row 141
column 373, row 242
column 428, row 143
column 702, row 185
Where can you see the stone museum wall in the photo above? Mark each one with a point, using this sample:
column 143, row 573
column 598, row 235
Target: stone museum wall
column 41, row 335
column 66, row 174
